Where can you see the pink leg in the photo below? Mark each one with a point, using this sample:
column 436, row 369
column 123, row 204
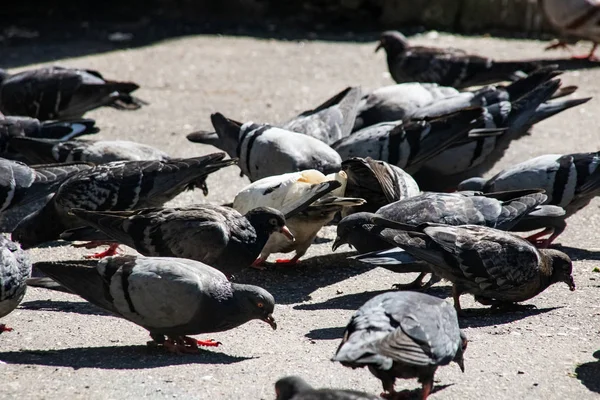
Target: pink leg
column 195, row 343
column 4, row 328
column 111, row 251
column 259, row 264
column 290, row 262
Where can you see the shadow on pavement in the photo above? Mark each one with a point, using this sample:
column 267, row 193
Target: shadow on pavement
column 294, row 284
column 114, row 357
column 577, row 254
column 77, row 307
column 480, row 317
column 589, row 373
column 415, row 394
column 326, row 333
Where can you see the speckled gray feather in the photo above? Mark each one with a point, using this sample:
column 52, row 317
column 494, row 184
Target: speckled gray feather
column 15, row 268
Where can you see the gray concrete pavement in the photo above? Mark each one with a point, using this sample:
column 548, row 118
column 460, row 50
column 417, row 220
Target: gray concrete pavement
column 62, row 347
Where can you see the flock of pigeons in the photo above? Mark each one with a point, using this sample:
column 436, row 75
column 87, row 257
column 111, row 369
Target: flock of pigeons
column 398, row 170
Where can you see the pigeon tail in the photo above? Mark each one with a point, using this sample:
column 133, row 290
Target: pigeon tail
column 228, row 131
column 67, row 130
column 550, row 108
column 522, row 86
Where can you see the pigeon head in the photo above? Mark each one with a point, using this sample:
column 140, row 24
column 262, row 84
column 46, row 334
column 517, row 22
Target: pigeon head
column 353, row 228
column 228, row 132
column 476, row 184
column 255, row 303
column 393, row 42
column 268, row 220
column 458, row 358
column 561, row 267
column 286, row 388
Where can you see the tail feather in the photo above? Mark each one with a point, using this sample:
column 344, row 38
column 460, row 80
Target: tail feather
column 67, row 130
column 550, row 108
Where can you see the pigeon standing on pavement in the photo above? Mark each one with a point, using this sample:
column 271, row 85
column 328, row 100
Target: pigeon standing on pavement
column 403, row 335
column 447, row 67
column 62, row 93
column 296, row 388
column 264, row 150
column 170, row 297
column 497, row 267
column 38, row 151
column 15, row 268
column 330, row 121
column 122, row 185
column 575, row 18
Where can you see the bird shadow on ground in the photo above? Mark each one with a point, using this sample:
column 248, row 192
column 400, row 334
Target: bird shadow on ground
column 326, row 333
column 577, row 254
column 589, row 373
column 355, row 300
column 415, row 394
column 114, row 357
column 480, row 317
column 294, row 284
column 77, row 307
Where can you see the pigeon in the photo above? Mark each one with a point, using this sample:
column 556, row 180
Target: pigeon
column 97, row 152
column 410, row 144
column 265, row 150
column 378, row 182
column 574, row 18
column 571, row 181
column 62, row 93
column 215, row 235
column 330, row 121
column 447, row 67
column 15, row 268
column 403, row 335
column 477, row 155
column 170, row 297
column 30, row 127
column 296, row 388
column 282, row 190
column 121, row 185
column 497, row 267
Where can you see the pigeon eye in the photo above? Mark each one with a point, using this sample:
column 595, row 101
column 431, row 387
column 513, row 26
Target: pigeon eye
column 273, row 221
column 260, row 305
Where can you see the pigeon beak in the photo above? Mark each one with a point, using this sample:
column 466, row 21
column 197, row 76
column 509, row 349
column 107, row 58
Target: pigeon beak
column 286, row 232
column 461, row 364
column 571, row 283
column 271, row 321
column 379, row 46
column 337, row 243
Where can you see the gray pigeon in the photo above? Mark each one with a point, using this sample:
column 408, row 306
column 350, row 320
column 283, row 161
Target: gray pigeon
column 403, row 335
column 122, row 185
column 447, row 67
column 15, row 268
column 573, row 18
column 62, row 93
column 410, row 144
column 497, row 267
column 296, row 388
column 571, row 181
column 378, row 182
column 477, row 155
column 39, row 151
column 264, row 150
column 170, row 297
column 216, row 235
column 332, row 120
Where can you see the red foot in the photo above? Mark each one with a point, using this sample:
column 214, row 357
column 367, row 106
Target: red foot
column 4, row 328
column 207, row 343
column 111, row 251
column 590, row 57
column 291, row 261
column 259, row 264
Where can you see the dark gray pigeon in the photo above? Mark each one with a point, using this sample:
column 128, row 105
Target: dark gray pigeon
column 296, row 388
column 448, row 67
column 571, row 181
column 378, row 182
column 477, row 155
column 497, row 267
column 403, row 335
column 122, row 185
column 15, row 268
column 170, row 297
column 264, row 150
column 38, row 151
column 62, row 93
column 409, row 144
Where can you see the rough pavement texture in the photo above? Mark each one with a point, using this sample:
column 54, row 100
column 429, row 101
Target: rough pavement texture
column 64, row 347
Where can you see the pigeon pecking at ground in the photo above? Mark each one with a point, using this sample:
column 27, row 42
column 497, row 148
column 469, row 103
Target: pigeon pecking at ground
column 15, row 268
column 447, row 67
column 403, row 335
column 62, row 93
column 264, row 150
column 376, row 181
column 280, row 192
column 296, row 388
column 574, row 18
column 38, row 151
column 497, row 267
column 170, row 297
column 571, row 181
column 121, row 185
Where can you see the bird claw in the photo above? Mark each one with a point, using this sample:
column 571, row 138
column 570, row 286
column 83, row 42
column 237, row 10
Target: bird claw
column 186, row 344
column 4, row 328
column 207, row 343
column 291, row 261
column 558, row 44
column 111, row 251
